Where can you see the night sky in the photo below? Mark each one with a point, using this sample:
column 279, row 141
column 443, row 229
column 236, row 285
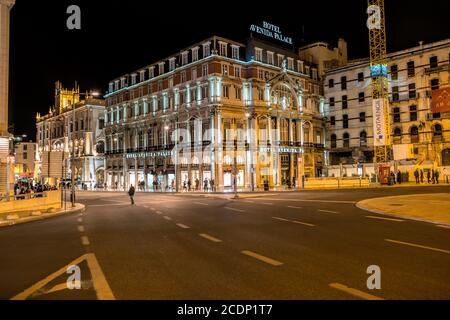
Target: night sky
column 118, row 37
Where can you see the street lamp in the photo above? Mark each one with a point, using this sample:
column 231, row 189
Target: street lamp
column 93, row 94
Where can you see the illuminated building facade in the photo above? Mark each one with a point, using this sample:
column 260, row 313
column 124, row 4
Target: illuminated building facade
column 419, row 112
column 59, row 131
column 221, row 110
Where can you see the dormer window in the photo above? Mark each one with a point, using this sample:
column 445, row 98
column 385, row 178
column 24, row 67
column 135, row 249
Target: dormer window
column 122, row 83
column 161, row 68
column 142, row 75
column 172, row 64
column 116, row 85
column 235, row 52
column 133, row 78
column 299, row 66
column 280, row 59
column 223, row 48
column 151, row 72
column 206, row 49
column 290, row 63
column 195, row 54
column 111, row 87
column 184, row 58
column 270, row 59
column 258, row 54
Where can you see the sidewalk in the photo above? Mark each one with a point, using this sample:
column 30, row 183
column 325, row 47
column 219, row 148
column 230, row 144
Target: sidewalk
column 23, row 217
column 433, row 208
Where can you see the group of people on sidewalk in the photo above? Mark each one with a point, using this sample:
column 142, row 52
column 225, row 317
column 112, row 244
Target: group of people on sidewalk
column 208, row 185
column 432, row 176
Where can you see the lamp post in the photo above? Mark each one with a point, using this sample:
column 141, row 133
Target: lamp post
column 93, row 94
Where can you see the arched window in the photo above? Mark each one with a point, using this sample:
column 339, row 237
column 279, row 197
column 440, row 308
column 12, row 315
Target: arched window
column 397, row 135
column 414, row 132
column 333, row 141
column 346, row 140
column 363, row 139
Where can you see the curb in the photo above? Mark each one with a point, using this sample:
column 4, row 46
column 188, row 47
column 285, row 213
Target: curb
column 81, row 208
column 359, row 205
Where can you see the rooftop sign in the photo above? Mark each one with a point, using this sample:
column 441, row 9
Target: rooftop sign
column 271, row 31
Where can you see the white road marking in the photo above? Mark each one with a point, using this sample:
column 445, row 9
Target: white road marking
column 268, row 203
column 248, row 201
column 281, row 219
column 417, row 246
column 328, row 211
column 80, row 220
column 354, row 292
column 183, row 226
column 262, row 258
column 153, row 209
column 381, row 218
column 167, row 218
column 303, row 223
column 85, row 241
column 107, row 205
column 308, row 200
column 234, row 209
column 81, row 228
column 208, row 237
column 159, row 212
column 293, row 207
column 201, row 203
column 442, row 226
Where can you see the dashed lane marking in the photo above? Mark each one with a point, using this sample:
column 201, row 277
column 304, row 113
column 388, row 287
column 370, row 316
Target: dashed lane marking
column 294, row 207
column 80, row 228
column 234, row 209
column 303, row 223
column 167, row 218
column 80, row 220
column 417, row 246
column 262, row 258
column 281, row 219
column 183, row 226
column 381, row 218
column 159, row 212
column 108, row 205
column 208, row 237
column 442, row 226
column 354, row 292
column 201, row 203
column 85, row 241
column 327, row 211
column 267, row 203
column 307, row 200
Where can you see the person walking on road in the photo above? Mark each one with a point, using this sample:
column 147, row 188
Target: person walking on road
column 399, row 177
column 416, row 175
column 421, row 176
column 436, row 176
column 131, row 194
column 428, row 176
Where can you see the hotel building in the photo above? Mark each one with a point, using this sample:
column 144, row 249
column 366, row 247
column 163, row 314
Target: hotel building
column 221, row 110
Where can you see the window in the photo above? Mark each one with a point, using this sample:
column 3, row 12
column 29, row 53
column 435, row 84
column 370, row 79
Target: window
column 260, row 94
column 331, row 83
column 344, row 83
column 437, row 132
column 25, row 155
column 361, row 97
column 434, row 62
column 184, row 58
column 161, row 68
column 280, row 58
column 223, row 48
column 411, row 69
column 194, row 74
column 290, row 64
column 160, row 85
column 300, row 66
column 345, row 121
column 413, row 113
column 205, row 70
column 195, row 54
column 151, row 72
column 397, row 135
column 333, row 141
column 225, row 92
column 258, row 54
column 235, row 52
column 344, row 102
column 361, row 77
column 363, row 139
column 238, row 93
column 346, row 140
column 394, row 72
column 395, row 94
column 414, row 133
column 396, row 114
column 171, row 82
column 133, row 78
column 206, row 50
column 434, row 84
column 142, row 75
column 183, row 77
column 261, row 74
column 237, row 72
column 412, row 90
column 225, row 69
column 333, row 120
column 270, row 59
column 332, row 102
column 362, row 117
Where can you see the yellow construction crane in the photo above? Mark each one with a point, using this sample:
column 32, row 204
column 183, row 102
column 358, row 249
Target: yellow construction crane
column 380, row 88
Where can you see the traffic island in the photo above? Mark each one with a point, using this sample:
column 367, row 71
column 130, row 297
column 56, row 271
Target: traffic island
column 7, row 220
column 432, row 208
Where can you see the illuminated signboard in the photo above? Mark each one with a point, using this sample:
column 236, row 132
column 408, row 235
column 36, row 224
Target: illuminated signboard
column 271, row 31
column 378, row 70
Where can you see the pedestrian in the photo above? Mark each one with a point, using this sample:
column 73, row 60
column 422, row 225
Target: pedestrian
column 399, row 177
column 205, row 185
column 432, row 176
column 421, row 176
column 213, row 186
column 131, row 192
column 189, row 185
column 184, row 186
column 428, row 176
column 416, row 175
column 197, row 184
column 436, row 176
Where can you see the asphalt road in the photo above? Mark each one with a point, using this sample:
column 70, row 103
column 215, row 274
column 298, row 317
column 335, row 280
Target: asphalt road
column 308, row 245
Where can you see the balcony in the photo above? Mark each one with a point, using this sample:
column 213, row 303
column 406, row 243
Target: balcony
column 444, row 67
